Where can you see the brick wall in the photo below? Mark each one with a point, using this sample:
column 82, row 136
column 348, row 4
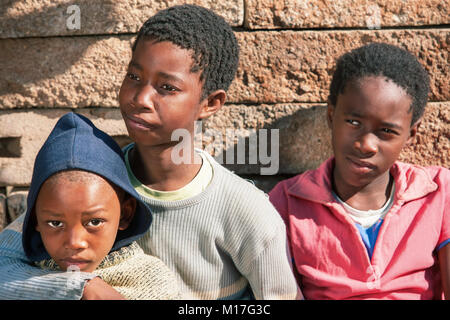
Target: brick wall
column 49, row 65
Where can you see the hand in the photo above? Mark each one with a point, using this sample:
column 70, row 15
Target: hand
column 97, row 289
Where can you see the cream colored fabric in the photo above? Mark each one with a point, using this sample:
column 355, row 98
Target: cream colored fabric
column 134, row 274
column 193, row 188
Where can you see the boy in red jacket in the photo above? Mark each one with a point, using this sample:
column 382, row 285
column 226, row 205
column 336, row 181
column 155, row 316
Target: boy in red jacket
column 363, row 225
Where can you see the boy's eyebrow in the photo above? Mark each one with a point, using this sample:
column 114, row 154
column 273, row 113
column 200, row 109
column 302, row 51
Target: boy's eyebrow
column 88, row 212
column 169, row 76
column 135, row 64
column 391, row 125
column 93, row 211
column 52, row 213
column 353, row 114
column 165, row 75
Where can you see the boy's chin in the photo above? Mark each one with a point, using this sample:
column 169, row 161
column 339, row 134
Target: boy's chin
column 362, row 181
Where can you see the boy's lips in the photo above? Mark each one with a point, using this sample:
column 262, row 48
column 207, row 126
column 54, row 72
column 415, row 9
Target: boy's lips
column 360, row 166
column 138, row 122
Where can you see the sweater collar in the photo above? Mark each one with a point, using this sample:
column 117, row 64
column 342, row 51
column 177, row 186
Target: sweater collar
column 412, row 182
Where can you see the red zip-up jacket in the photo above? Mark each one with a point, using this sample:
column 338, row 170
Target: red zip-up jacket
column 329, row 254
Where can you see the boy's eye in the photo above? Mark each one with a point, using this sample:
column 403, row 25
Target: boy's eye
column 352, row 122
column 168, row 87
column 389, row 131
column 132, row 76
column 95, row 222
column 55, row 224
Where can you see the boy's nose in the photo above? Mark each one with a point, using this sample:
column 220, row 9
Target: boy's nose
column 76, row 239
column 144, row 97
column 367, row 144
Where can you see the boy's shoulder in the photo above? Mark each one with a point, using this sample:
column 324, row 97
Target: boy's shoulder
column 279, row 194
column 230, row 183
column 434, row 173
column 438, row 173
column 241, row 195
column 310, row 181
column 244, row 206
column 419, row 181
column 286, row 184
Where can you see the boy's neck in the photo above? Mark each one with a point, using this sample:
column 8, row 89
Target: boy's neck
column 153, row 166
column 369, row 197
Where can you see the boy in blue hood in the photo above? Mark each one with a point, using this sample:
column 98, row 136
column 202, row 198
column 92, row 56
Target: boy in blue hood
column 84, row 215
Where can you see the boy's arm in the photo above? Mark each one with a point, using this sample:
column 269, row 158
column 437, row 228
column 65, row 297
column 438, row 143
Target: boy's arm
column 270, row 273
column 20, row 279
column 271, row 276
column 444, row 263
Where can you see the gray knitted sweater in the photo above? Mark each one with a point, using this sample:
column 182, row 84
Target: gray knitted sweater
column 228, row 242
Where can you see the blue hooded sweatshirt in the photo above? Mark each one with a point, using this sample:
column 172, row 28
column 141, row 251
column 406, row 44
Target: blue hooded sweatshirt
column 75, row 143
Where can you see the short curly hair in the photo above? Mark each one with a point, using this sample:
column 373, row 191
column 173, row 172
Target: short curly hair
column 209, row 37
column 382, row 59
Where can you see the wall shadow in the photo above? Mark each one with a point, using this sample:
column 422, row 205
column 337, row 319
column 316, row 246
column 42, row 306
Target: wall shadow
column 304, row 142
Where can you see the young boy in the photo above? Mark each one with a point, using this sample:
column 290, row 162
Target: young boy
column 217, row 232
column 84, row 215
column 363, row 225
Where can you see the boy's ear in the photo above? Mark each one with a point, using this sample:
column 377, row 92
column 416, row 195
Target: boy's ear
column 330, row 112
column 212, row 103
column 413, row 132
column 127, row 212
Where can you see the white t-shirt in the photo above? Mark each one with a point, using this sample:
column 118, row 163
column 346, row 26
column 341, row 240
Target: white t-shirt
column 367, row 218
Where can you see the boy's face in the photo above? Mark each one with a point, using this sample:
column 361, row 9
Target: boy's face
column 159, row 93
column 370, row 125
column 78, row 221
